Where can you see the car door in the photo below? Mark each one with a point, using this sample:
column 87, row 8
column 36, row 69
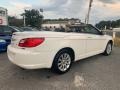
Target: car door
column 95, row 40
column 1, row 32
column 77, row 42
column 7, row 34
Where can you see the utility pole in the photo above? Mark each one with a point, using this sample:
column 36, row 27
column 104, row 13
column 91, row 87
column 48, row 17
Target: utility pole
column 24, row 20
column 88, row 14
column 24, row 17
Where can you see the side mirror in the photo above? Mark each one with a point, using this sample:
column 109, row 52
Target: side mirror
column 13, row 31
column 101, row 32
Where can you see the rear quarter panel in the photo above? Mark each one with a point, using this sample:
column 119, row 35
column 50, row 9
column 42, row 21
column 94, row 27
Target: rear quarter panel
column 53, row 45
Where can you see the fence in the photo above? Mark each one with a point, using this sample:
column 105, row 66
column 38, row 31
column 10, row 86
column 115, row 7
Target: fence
column 113, row 33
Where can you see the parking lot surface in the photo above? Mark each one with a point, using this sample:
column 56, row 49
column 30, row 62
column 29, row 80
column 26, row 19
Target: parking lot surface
column 94, row 73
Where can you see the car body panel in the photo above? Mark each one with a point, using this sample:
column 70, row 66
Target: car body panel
column 6, row 34
column 18, row 57
column 7, row 38
column 42, row 56
column 3, row 45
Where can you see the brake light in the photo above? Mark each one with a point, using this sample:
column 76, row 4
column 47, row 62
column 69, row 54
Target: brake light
column 31, row 42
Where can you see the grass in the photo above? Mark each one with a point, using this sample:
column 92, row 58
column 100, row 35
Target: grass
column 117, row 41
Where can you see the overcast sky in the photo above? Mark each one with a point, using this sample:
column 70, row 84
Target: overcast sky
column 101, row 9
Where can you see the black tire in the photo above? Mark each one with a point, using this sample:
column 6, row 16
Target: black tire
column 55, row 67
column 106, row 52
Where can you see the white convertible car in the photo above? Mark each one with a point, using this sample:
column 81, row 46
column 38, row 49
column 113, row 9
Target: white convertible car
column 57, row 50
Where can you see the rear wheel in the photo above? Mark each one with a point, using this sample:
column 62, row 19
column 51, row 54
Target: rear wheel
column 108, row 49
column 62, row 62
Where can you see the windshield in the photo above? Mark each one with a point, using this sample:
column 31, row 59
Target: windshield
column 55, row 29
column 29, row 29
column 65, row 29
column 17, row 28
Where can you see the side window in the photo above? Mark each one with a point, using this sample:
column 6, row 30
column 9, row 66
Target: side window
column 77, row 29
column 8, row 30
column 1, row 30
column 73, row 29
column 90, row 29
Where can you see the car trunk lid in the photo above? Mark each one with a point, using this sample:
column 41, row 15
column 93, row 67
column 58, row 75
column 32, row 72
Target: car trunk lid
column 16, row 37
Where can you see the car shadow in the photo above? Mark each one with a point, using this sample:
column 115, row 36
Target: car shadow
column 47, row 73
column 3, row 52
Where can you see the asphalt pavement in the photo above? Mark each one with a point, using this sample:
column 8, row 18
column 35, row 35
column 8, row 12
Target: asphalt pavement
column 95, row 73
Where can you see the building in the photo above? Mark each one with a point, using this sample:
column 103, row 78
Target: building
column 60, row 23
column 117, row 29
column 3, row 16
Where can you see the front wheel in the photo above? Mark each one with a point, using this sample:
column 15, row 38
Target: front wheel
column 108, row 49
column 62, row 62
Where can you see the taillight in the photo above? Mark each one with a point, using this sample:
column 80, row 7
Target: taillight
column 31, row 42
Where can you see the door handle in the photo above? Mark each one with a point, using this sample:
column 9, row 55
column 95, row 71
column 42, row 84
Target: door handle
column 89, row 37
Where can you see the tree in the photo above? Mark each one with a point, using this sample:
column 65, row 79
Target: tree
column 13, row 21
column 33, row 18
column 108, row 24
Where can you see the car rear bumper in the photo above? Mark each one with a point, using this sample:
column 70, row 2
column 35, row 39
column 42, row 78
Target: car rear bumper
column 3, row 46
column 29, row 60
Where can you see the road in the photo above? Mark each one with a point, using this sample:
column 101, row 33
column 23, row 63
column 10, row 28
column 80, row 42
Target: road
column 94, row 73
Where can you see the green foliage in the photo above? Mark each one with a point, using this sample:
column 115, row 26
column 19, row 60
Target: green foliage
column 13, row 21
column 108, row 24
column 62, row 20
column 33, row 18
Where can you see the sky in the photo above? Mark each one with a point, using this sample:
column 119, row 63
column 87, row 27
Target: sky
column 101, row 9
